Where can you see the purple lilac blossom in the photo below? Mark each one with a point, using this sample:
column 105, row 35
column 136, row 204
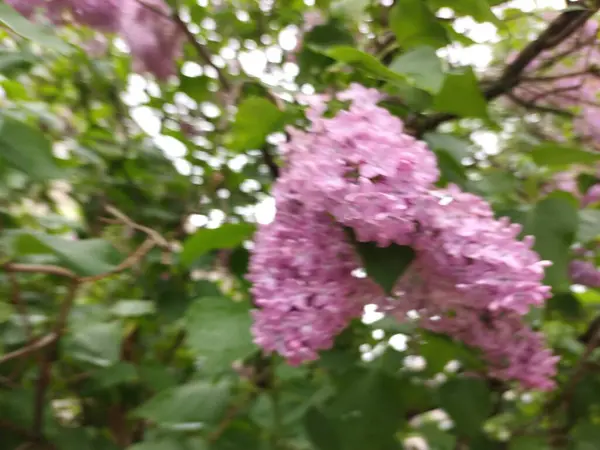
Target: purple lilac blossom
column 591, row 196
column 585, row 273
column 154, row 39
column 359, row 169
column 303, row 284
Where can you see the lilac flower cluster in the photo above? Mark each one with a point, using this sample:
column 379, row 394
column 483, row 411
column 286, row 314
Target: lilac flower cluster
column 155, row 41
column 359, row 169
column 585, row 273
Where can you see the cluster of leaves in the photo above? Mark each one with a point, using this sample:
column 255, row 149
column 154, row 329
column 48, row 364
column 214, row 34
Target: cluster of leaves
column 124, row 213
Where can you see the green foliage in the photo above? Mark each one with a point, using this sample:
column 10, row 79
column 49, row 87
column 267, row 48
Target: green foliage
column 248, row 133
column 26, row 149
column 422, row 66
column 468, row 402
column 207, row 239
column 385, row 265
column 132, row 330
column 219, row 331
column 553, row 223
column 557, row 156
column 461, row 95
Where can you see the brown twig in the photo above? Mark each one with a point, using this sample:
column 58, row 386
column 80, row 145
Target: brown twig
column 557, row 31
column 46, row 365
column 544, row 109
column 29, row 349
column 230, row 416
column 202, row 51
column 270, row 161
column 39, row 268
column 19, row 305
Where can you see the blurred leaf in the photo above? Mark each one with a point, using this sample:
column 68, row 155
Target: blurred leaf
column 13, row 62
column 528, row 443
column 384, row 265
column 26, row 148
column 86, row 257
column 422, row 66
column 363, row 61
column 364, row 398
column 349, row 8
column 115, row 375
column 567, row 305
column 438, row 350
column 451, row 171
column 456, row 147
column 553, row 222
column 99, row 344
column 468, row 402
column 461, row 95
column 437, row 438
column 197, row 402
column 557, row 156
column 321, row 430
column 256, row 118
column 589, row 225
column 171, row 443
column 585, row 436
column 229, row 235
column 219, row 331
column 415, row 24
column 133, row 308
column 29, row 30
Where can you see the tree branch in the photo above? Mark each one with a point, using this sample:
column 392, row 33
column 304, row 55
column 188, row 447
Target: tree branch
column 557, row 31
column 29, row 349
column 201, row 50
column 46, row 365
column 545, row 109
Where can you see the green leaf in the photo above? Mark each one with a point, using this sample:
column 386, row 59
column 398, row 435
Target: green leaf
column 171, row 443
column 364, row 398
column 349, row 8
column 115, row 375
column 438, row 350
column 98, row 344
column 422, row 66
column 219, row 331
column 26, row 148
column 558, row 156
column 133, row 308
column 436, row 438
column 29, row 30
column 461, row 95
column 14, row 62
column 567, row 305
column 87, row 257
column 415, row 24
column 528, row 443
column 553, row 222
column 363, row 61
column 586, row 436
column 321, row 430
column 229, row 235
column 197, row 402
column 256, row 118
column 458, row 148
column 589, row 225
column 468, row 402
column 384, row 265
column 451, row 171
